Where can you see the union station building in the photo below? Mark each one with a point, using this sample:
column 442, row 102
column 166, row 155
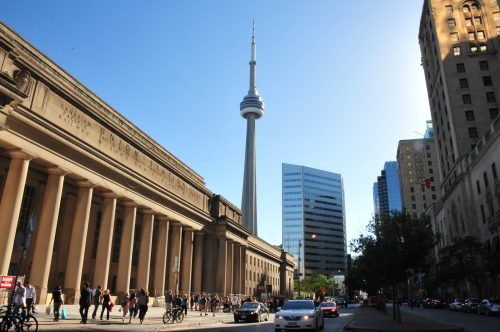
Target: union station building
column 92, row 198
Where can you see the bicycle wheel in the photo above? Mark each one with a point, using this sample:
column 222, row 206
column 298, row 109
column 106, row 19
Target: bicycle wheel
column 180, row 317
column 10, row 323
column 29, row 323
column 167, row 317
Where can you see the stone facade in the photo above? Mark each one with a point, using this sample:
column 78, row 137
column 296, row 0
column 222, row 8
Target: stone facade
column 108, row 204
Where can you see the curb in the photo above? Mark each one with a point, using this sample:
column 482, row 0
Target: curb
column 396, row 329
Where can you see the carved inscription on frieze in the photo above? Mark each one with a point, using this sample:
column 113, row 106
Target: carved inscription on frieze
column 70, row 118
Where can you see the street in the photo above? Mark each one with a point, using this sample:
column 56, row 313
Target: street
column 469, row 321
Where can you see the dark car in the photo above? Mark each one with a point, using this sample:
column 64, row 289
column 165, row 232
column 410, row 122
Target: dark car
column 489, row 307
column 438, row 304
column 252, row 311
column 330, row 309
column 470, row 305
column 427, row 303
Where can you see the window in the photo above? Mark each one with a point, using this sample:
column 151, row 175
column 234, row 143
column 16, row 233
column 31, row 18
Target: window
column 414, row 206
column 487, row 81
column 466, row 99
column 454, row 36
column 478, row 20
column 434, row 197
column 449, row 9
column 493, row 113
column 412, row 189
column 409, row 164
column 496, row 16
column 469, row 115
column 466, row 9
column 494, row 171
column 483, row 65
column 410, row 172
column 464, row 84
column 457, row 51
column 413, row 198
column 472, row 132
column 468, row 22
column 483, row 215
column 485, row 178
column 483, row 48
column 471, row 36
column 429, row 163
column 460, row 68
column 490, row 97
column 427, row 147
column 474, row 7
column 498, row 30
column 473, row 49
column 478, row 187
column 480, row 35
column 451, row 23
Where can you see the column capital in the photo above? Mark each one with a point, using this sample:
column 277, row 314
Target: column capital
column 129, row 203
column 56, row 170
column 162, row 218
column 146, row 211
column 199, row 233
column 84, row 183
column 19, row 154
column 109, row 194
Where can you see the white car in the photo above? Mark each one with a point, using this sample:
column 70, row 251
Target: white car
column 299, row 315
column 456, row 305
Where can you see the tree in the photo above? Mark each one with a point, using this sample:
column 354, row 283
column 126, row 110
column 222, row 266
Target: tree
column 396, row 244
column 318, row 281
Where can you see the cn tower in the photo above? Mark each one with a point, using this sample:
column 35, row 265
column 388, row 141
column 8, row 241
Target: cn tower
column 251, row 108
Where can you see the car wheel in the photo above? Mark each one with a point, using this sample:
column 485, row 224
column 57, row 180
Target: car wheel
column 236, row 320
column 277, row 330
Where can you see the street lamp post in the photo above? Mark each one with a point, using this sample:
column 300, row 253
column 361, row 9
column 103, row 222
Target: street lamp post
column 300, row 245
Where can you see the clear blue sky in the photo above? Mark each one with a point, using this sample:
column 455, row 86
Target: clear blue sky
column 341, row 81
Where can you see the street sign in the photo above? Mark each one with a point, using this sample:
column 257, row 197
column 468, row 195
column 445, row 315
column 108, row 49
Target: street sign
column 7, row 282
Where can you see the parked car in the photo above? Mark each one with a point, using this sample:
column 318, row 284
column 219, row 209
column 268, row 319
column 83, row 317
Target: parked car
column 252, row 311
column 438, row 304
column 299, row 314
column 488, row 307
column 456, row 305
column 470, row 305
column 427, row 303
column 329, row 309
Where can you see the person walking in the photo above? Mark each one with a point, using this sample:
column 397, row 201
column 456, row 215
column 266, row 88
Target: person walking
column 143, row 300
column 203, row 304
column 19, row 297
column 132, row 306
column 124, row 305
column 214, row 302
column 97, row 298
column 106, row 303
column 57, row 297
column 184, row 305
column 168, row 300
column 30, row 298
column 85, row 302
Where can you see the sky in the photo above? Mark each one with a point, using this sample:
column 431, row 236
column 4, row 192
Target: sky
column 341, row 81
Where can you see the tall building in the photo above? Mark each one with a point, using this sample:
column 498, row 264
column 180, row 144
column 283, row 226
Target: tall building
column 418, row 176
column 388, row 190
column 314, row 219
column 459, row 47
column 251, row 108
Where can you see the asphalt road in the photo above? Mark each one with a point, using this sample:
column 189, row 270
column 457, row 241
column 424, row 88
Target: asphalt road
column 469, row 321
column 331, row 324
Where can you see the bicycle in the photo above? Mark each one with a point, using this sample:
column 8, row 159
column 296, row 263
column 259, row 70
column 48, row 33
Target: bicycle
column 173, row 315
column 17, row 319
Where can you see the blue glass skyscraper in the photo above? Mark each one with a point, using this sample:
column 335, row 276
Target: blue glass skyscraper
column 314, row 219
column 389, row 193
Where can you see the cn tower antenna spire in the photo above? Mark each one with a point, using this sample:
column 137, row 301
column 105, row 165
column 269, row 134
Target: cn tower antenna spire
column 251, row 108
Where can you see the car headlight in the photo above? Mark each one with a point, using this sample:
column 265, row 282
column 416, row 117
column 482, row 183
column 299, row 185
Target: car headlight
column 279, row 317
column 306, row 317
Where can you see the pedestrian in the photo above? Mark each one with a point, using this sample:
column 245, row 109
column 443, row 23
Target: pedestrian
column 85, row 302
column 234, row 302
column 214, row 302
column 124, row 305
column 57, row 297
column 97, row 298
column 168, row 300
column 197, row 302
column 30, row 297
column 184, row 304
column 191, row 302
column 106, row 303
column 143, row 300
column 19, row 296
column 132, row 306
column 203, row 304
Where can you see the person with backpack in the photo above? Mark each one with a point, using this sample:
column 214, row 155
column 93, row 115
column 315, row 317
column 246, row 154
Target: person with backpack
column 143, row 300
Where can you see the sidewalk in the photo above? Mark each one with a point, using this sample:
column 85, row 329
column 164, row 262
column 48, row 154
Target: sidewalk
column 152, row 322
column 372, row 320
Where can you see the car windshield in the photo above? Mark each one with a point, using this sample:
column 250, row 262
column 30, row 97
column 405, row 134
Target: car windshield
column 326, row 304
column 249, row 305
column 294, row 305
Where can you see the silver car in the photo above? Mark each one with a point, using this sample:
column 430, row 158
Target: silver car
column 298, row 315
column 488, row 307
column 456, row 305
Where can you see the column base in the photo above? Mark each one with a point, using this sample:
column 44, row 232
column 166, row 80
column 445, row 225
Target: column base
column 42, row 295
column 71, row 295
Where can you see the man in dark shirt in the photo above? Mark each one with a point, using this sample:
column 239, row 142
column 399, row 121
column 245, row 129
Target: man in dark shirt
column 85, row 301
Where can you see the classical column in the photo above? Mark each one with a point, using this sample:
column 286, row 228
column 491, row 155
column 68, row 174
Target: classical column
column 74, row 264
column 243, row 264
column 145, row 249
column 126, row 246
column 10, row 206
column 46, row 233
column 187, row 262
column 209, row 259
column 161, row 257
column 237, row 268
column 174, row 258
column 220, row 277
column 103, row 254
column 197, row 262
column 229, row 267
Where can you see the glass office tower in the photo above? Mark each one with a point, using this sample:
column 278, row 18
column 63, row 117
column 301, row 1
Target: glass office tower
column 388, row 189
column 314, row 219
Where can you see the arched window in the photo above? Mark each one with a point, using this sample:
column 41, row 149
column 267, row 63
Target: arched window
column 475, row 31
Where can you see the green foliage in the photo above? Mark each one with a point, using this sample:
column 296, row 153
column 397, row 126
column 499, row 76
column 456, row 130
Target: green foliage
column 396, row 243
column 315, row 282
